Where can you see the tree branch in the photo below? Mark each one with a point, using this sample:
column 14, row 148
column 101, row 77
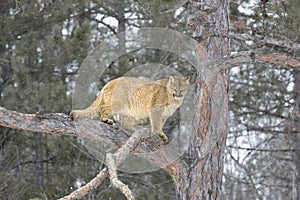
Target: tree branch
column 112, row 169
column 263, row 150
column 113, row 160
column 84, row 190
column 280, row 44
column 278, row 59
column 61, row 124
column 246, row 57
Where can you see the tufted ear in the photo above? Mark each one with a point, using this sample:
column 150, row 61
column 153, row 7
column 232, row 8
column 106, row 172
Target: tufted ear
column 187, row 79
column 172, row 79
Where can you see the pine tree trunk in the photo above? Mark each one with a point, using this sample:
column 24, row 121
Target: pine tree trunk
column 200, row 176
column 296, row 137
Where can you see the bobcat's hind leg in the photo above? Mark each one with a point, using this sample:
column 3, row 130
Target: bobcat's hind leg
column 106, row 114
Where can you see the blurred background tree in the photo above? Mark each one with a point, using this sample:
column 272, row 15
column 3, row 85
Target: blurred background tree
column 262, row 159
column 43, row 43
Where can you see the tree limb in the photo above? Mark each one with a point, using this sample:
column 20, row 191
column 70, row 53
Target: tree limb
column 247, row 57
column 60, row 124
column 113, row 177
column 278, row 59
column 113, row 160
column 30, row 122
column 84, row 190
column 280, row 44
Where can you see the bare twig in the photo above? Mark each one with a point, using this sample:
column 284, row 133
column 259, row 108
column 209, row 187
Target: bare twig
column 84, row 190
column 113, row 160
column 112, row 169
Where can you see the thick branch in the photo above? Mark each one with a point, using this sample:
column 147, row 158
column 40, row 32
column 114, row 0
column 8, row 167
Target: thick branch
column 278, row 59
column 246, row 57
column 262, row 40
column 60, row 124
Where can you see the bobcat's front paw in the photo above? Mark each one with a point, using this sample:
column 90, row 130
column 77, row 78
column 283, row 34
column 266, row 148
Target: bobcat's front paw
column 163, row 137
column 107, row 121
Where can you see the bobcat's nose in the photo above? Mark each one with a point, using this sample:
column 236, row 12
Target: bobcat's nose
column 175, row 96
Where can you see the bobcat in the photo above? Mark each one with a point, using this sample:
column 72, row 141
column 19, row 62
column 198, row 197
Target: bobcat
column 136, row 100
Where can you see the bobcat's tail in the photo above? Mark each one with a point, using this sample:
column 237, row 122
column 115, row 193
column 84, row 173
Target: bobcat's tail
column 88, row 113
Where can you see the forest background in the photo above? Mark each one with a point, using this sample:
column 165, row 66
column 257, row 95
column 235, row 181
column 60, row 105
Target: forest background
column 43, row 43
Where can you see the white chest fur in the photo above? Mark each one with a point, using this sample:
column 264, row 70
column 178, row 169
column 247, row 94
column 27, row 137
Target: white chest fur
column 170, row 109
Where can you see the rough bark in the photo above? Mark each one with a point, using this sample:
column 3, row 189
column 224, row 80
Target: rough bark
column 296, row 137
column 201, row 176
column 61, row 124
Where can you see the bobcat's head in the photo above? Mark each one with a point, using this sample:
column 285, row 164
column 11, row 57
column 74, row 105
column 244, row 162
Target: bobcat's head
column 178, row 86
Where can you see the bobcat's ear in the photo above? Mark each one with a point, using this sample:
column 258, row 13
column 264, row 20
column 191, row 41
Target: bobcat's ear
column 172, row 79
column 187, row 79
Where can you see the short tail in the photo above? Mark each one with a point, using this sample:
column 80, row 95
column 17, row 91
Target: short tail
column 88, row 113
column 92, row 112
